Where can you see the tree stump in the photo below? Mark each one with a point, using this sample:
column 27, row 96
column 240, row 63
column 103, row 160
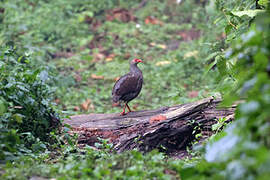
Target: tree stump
column 169, row 129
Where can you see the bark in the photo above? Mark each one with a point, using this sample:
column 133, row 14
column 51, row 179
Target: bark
column 169, row 129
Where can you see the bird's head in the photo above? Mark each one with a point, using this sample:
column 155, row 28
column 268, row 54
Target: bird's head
column 136, row 61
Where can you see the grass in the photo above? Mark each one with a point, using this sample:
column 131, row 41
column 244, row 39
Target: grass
column 87, row 49
column 174, row 64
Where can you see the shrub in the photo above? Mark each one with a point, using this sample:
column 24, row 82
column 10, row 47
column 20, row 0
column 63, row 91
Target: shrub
column 26, row 109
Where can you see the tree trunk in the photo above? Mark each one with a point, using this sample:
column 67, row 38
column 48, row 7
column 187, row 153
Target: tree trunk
column 169, row 129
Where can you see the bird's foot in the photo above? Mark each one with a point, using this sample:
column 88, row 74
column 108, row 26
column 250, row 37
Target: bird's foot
column 123, row 113
column 129, row 110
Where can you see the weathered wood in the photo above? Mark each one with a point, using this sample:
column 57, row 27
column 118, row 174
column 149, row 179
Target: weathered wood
column 168, row 129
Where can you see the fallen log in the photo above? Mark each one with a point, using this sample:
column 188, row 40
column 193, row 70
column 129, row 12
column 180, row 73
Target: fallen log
column 169, row 129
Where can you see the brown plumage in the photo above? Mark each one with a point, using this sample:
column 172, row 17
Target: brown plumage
column 128, row 86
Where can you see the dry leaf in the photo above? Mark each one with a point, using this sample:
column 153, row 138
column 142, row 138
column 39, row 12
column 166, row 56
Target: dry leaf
column 162, row 63
column 117, row 78
column 76, row 108
column 135, row 106
column 18, row 107
column 94, row 76
column 98, row 57
column 152, row 20
column 186, row 86
column 127, row 56
column 85, row 105
column 120, row 14
column 188, row 35
column 78, row 77
column 162, row 46
column 110, row 57
column 193, row 94
column 191, row 54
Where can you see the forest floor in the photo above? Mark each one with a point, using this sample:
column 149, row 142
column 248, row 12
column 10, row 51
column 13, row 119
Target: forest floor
column 86, row 48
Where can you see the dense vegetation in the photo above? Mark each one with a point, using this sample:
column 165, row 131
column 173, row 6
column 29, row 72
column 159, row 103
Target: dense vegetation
column 27, row 115
column 60, row 58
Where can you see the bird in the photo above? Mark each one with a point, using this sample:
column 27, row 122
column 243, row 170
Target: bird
column 128, row 86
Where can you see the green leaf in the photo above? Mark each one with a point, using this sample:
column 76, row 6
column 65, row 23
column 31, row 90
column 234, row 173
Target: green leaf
column 43, row 76
column 3, row 107
column 215, row 126
column 18, row 117
column 263, row 3
column 250, row 13
column 228, row 29
column 249, row 107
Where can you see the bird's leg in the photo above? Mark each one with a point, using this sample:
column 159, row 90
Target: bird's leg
column 129, row 108
column 123, row 113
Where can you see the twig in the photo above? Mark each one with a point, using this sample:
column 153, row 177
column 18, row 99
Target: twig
column 229, row 20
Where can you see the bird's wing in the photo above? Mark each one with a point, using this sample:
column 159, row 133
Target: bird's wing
column 125, row 85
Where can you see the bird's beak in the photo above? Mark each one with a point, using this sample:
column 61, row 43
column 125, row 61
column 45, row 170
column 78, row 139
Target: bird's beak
column 139, row 60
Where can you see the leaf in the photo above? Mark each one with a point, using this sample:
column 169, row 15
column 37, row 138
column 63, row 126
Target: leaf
column 217, row 20
column 263, row 3
column 250, row 13
column 18, row 117
column 215, row 126
column 161, row 46
column 87, row 104
column 219, row 150
column 193, row 94
column 249, row 107
column 152, row 20
column 78, row 77
column 76, row 108
column 2, row 64
column 228, row 29
column 191, row 54
column 110, row 57
column 116, row 78
column 98, row 57
column 212, row 55
column 22, row 88
column 248, row 85
column 44, row 76
column 3, row 107
column 162, row 63
column 94, row 76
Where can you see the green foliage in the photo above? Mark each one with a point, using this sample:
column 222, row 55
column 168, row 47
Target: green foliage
column 97, row 165
column 242, row 150
column 27, row 114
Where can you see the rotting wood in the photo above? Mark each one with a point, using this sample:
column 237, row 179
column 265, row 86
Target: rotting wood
column 168, row 129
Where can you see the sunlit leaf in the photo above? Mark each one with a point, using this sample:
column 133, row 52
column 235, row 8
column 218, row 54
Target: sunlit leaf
column 250, row 13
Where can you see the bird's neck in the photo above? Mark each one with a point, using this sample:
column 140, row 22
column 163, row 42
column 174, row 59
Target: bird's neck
column 134, row 69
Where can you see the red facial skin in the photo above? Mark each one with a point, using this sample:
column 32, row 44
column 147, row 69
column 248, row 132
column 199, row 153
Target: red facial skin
column 138, row 60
